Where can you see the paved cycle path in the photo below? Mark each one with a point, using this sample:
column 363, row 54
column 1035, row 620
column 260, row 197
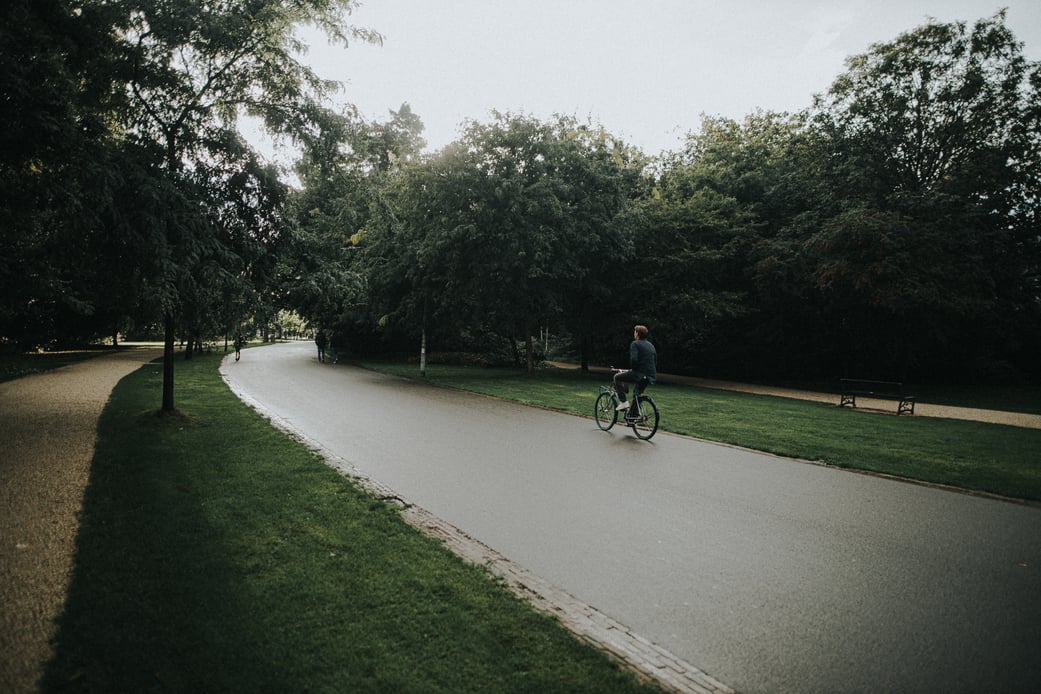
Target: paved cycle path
column 769, row 574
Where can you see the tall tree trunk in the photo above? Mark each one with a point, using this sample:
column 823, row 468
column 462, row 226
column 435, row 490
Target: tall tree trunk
column 423, row 344
column 423, row 354
column 168, row 364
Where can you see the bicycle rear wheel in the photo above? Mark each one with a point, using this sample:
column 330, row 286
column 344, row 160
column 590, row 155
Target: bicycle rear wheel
column 646, row 423
column 604, row 411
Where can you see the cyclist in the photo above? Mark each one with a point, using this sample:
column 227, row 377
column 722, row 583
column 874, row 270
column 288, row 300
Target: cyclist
column 643, row 367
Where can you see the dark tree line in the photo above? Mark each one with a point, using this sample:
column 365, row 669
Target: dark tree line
column 889, row 230
column 129, row 196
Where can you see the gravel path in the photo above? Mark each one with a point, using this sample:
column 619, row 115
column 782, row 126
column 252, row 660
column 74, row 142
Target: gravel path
column 48, row 425
column 1019, row 419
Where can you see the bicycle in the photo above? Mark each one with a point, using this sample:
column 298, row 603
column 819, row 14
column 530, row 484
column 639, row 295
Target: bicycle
column 642, row 414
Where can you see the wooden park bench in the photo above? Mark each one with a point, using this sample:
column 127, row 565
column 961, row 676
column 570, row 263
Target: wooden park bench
column 850, row 388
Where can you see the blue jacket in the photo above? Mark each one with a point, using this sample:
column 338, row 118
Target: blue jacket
column 643, row 359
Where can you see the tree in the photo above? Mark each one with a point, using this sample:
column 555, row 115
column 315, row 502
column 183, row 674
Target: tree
column 393, row 143
column 715, row 209
column 502, row 228
column 347, row 176
column 934, row 142
column 59, row 168
column 239, row 202
column 191, row 67
column 941, row 109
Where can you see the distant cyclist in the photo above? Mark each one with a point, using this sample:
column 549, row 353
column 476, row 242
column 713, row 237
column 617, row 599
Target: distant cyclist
column 643, row 367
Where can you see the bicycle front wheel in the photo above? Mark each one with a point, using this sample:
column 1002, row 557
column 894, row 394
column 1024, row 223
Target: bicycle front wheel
column 646, row 423
column 604, row 411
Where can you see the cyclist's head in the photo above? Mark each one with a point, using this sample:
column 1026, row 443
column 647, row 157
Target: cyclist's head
column 640, row 330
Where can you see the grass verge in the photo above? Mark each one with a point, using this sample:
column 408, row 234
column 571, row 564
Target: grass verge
column 992, row 458
column 216, row 554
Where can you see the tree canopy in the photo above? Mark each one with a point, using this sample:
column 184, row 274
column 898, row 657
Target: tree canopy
column 139, row 123
column 889, row 230
column 504, row 230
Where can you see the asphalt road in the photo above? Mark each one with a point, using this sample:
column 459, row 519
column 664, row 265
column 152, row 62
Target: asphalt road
column 769, row 574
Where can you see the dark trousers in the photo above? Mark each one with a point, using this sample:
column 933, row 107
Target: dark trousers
column 622, row 378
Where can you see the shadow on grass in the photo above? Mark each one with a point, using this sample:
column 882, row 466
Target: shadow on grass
column 154, row 604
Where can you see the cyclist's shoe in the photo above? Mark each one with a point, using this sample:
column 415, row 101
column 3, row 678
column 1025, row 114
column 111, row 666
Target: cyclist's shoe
column 622, row 406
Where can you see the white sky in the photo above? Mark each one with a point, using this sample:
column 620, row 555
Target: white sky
column 644, row 69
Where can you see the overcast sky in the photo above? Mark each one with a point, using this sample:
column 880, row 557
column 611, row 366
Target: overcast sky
column 644, row 69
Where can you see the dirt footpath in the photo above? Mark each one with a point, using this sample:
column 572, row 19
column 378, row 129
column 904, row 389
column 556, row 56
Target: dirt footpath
column 48, row 425
column 1019, row 419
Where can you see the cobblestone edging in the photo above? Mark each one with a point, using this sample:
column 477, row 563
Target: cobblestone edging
column 587, row 623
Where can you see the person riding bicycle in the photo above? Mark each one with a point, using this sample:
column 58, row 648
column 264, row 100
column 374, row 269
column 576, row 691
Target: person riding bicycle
column 643, row 367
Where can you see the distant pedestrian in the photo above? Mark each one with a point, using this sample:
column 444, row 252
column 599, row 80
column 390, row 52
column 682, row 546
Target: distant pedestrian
column 320, row 340
column 335, row 345
column 239, row 343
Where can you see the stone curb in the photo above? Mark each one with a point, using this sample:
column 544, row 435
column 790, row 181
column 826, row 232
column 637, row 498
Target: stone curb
column 586, row 622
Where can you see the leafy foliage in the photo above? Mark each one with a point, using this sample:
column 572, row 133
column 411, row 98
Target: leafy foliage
column 515, row 225
column 889, row 230
column 928, row 136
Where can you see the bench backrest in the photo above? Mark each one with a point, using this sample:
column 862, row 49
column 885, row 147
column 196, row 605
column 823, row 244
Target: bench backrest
column 872, row 386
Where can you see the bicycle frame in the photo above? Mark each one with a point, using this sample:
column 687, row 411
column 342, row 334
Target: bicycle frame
column 642, row 414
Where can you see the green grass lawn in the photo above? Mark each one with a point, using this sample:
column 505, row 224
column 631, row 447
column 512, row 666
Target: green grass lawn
column 217, row 554
column 993, row 458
